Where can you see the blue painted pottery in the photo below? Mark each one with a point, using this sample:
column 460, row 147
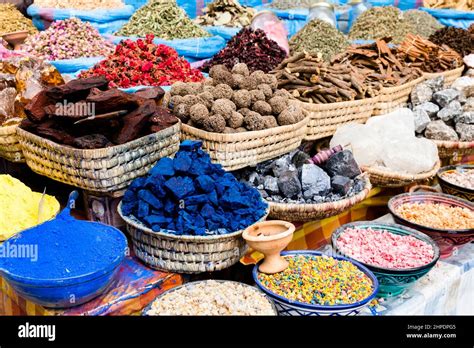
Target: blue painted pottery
column 74, row 262
column 392, row 282
column 288, row 307
column 453, row 189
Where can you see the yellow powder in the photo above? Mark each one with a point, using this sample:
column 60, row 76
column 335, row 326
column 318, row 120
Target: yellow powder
column 19, row 207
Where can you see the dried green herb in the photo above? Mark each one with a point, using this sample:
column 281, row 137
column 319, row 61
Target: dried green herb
column 164, row 19
column 229, row 13
column 423, row 23
column 319, row 37
column 287, row 4
column 12, row 20
column 381, row 22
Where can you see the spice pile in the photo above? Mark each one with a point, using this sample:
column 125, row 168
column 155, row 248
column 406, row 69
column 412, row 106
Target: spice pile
column 381, row 22
column 190, row 195
column 20, row 80
column 319, row 280
column 12, row 20
column 212, row 297
column 229, row 13
column 460, row 177
column 423, row 23
column 234, row 101
column 142, row 63
column 382, row 248
column 378, row 62
column 80, row 4
column 289, row 4
column 85, row 114
column 442, row 114
column 311, row 80
column 68, row 39
column 427, row 56
column 293, row 178
column 388, row 142
column 458, row 39
column 19, row 207
column 164, row 19
column 319, row 36
column 251, row 47
column 436, row 215
column 465, row 5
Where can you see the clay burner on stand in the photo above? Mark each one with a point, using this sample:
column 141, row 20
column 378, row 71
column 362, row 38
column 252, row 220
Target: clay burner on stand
column 270, row 238
column 16, row 38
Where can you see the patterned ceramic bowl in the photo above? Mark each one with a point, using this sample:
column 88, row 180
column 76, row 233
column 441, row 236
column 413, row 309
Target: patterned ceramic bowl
column 447, row 240
column 294, row 308
column 453, row 189
column 392, row 282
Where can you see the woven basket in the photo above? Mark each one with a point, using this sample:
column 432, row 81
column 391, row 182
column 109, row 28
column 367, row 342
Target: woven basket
column 386, row 178
column 239, row 150
column 10, row 148
column 98, row 170
column 326, row 118
column 453, row 151
column 392, row 98
column 311, row 212
column 449, row 76
column 184, row 254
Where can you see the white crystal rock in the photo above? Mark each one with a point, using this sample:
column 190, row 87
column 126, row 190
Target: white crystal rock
column 469, row 60
column 400, row 122
column 464, row 84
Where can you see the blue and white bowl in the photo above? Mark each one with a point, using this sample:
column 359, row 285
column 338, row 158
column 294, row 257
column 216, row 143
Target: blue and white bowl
column 294, row 308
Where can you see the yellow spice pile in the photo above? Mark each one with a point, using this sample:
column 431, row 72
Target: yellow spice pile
column 19, row 207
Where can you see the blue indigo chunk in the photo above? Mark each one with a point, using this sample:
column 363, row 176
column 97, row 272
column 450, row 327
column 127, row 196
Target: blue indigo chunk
column 164, row 167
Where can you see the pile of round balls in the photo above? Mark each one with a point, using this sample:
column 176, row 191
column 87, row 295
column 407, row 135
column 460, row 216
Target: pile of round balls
column 382, row 248
column 234, row 101
column 319, row 280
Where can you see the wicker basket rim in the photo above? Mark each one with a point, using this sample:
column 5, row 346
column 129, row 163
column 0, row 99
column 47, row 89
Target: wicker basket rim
column 90, row 152
column 7, row 130
column 213, row 238
column 313, row 107
column 328, row 205
column 402, row 176
column 408, row 84
column 452, row 71
column 235, row 137
column 454, row 144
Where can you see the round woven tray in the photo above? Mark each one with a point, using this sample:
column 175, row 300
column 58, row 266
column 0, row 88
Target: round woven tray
column 449, row 76
column 454, row 151
column 184, row 254
column 324, row 119
column 392, row 98
column 10, row 147
column 310, row 212
column 386, row 178
column 98, row 170
column 239, row 150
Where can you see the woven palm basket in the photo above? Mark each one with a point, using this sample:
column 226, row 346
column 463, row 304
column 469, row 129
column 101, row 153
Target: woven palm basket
column 238, row 150
column 454, row 151
column 10, row 148
column 392, row 98
column 311, row 212
column 324, row 119
column 449, row 76
column 184, row 254
column 385, row 178
column 99, row 170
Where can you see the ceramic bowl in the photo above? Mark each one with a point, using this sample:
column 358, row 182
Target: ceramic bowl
column 294, row 308
column 447, row 240
column 392, row 282
column 452, row 189
column 188, row 285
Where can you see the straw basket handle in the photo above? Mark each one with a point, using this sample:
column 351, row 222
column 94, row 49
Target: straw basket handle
column 415, row 188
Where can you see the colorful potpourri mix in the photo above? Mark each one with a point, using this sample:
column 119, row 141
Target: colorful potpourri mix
column 464, row 178
column 319, row 280
column 435, row 215
column 143, row 63
column 382, row 248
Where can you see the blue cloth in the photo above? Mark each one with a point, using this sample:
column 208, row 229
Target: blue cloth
column 194, row 7
column 136, row 3
column 192, row 49
column 453, row 18
column 225, row 32
column 71, row 66
column 106, row 21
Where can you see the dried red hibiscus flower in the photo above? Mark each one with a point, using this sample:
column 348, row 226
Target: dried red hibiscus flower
column 143, row 63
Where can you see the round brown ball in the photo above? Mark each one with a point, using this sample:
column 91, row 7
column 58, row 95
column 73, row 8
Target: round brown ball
column 229, row 130
column 270, row 121
column 198, row 113
column 214, row 123
column 179, row 88
column 254, row 121
column 181, row 111
column 223, row 91
column 278, row 104
column 241, row 69
column 244, row 111
column 262, row 107
column 272, row 81
column 291, row 115
column 256, row 95
column 242, row 99
column 176, row 99
column 223, row 107
column 259, row 76
column 190, row 100
column 207, row 99
column 236, row 120
column 266, row 89
column 282, row 93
